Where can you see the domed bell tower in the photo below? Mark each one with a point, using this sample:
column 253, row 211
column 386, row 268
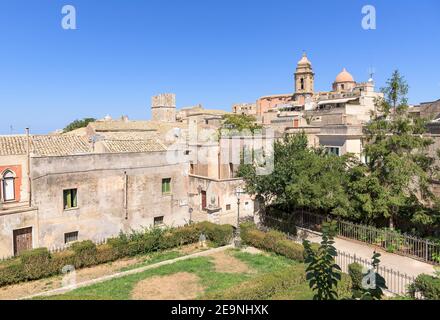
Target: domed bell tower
column 304, row 79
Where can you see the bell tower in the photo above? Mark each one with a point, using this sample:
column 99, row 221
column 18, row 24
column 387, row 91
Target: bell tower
column 304, row 78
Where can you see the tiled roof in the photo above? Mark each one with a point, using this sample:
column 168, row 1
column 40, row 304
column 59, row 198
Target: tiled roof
column 118, row 125
column 116, row 146
column 44, row 145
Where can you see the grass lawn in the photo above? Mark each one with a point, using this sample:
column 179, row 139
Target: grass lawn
column 203, row 269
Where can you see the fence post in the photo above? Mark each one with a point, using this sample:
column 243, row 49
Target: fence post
column 426, row 250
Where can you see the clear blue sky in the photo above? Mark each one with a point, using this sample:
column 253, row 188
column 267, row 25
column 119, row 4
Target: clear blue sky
column 206, row 51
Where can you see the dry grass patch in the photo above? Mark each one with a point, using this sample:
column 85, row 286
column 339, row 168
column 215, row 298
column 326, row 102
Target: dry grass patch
column 178, row 286
column 224, row 262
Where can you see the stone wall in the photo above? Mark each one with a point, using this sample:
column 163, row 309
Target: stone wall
column 115, row 192
column 163, row 107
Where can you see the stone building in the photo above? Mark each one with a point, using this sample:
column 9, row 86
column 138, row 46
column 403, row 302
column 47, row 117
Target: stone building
column 62, row 191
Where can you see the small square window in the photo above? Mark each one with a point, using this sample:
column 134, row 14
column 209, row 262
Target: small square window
column 70, row 237
column 228, row 207
column 70, row 198
column 158, row 221
column 166, row 186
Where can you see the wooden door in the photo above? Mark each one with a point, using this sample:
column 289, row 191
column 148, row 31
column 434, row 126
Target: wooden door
column 22, row 240
column 203, row 200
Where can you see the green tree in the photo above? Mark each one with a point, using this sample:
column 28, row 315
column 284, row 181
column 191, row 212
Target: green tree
column 398, row 168
column 240, row 122
column 78, row 124
column 322, row 273
column 302, row 178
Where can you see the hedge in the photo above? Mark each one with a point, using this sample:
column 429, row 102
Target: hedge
column 273, row 241
column 427, row 285
column 40, row 263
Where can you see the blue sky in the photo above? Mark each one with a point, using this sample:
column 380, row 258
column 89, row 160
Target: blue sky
column 206, row 51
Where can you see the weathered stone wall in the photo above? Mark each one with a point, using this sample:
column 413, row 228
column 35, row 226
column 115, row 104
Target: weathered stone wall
column 14, row 219
column 223, row 192
column 115, row 192
column 163, row 107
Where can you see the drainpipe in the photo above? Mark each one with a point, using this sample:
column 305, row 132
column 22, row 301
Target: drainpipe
column 28, row 166
column 126, row 194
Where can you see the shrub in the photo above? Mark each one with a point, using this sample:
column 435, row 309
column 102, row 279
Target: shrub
column 344, row 288
column 61, row 259
column 271, row 239
column 427, row 285
column 290, row 249
column 105, row 253
column 274, row 241
column 85, row 253
column 220, row 235
column 11, row 272
column 356, row 275
column 35, row 263
column 254, row 238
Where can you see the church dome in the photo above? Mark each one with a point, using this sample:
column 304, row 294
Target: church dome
column 344, row 76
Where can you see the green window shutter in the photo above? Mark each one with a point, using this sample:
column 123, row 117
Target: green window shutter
column 68, row 199
column 166, row 185
column 74, row 198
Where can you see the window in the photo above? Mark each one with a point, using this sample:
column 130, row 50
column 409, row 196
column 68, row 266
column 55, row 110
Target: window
column 228, row 207
column 231, row 170
column 302, row 84
column 8, row 186
column 333, row 150
column 70, row 198
column 166, row 186
column 158, row 221
column 71, row 237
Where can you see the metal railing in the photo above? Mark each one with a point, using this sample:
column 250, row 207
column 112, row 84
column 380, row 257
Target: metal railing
column 396, row 281
column 389, row 240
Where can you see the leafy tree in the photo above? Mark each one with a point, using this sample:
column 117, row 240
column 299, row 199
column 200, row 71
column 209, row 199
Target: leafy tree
column 398, row 168
column 322, row 273
column 78, row 124
column 302, row 178
column 240, row 122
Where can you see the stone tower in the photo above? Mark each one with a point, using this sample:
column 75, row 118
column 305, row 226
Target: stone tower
column 163, row 107
column 304, row 79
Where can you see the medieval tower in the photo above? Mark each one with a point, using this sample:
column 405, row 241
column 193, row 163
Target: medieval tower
column 163, row 107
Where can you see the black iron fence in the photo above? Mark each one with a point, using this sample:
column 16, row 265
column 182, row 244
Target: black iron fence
column 389, row 240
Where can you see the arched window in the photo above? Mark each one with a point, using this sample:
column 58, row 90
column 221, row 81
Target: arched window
column 8, row 186
column 302, row 83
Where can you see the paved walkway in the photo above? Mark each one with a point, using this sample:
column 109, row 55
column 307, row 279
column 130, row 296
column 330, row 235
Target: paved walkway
column 396, row 262
column 126, row 273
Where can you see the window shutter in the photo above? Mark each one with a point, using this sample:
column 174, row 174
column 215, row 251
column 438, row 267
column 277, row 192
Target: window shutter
column 74, row 198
